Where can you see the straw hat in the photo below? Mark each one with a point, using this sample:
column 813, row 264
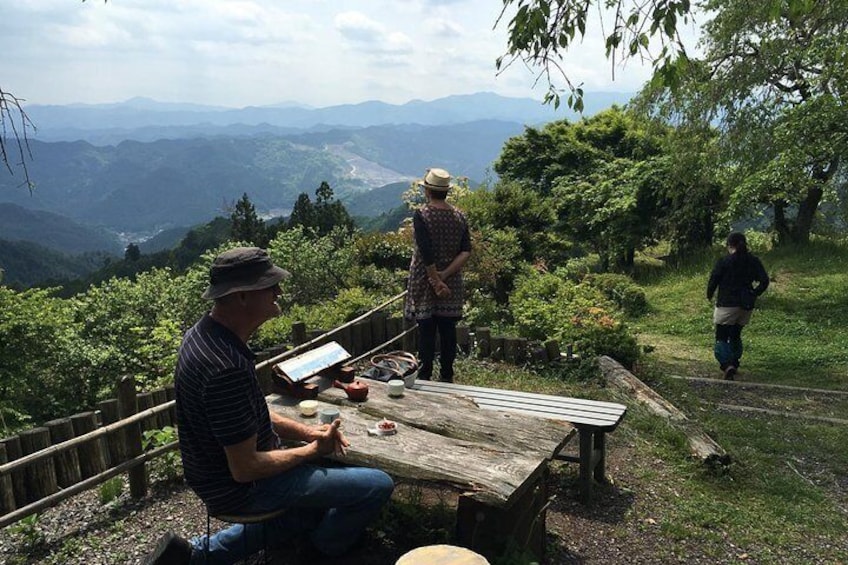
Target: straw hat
column 436, row 179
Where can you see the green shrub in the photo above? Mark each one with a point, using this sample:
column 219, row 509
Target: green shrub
column 621, row 289
column 347, row 305
column 547, row 305
column 391, row 250
column 168, row 466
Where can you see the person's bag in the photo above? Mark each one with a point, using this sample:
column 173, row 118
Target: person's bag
column 392, row 365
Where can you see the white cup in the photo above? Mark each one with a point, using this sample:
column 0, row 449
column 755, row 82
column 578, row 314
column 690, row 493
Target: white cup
column 395, row 387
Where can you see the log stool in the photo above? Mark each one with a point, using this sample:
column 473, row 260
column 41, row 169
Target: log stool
column 443, row 555
column 244, row 520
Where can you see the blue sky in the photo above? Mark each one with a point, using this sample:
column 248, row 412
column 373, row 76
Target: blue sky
column 239, row 53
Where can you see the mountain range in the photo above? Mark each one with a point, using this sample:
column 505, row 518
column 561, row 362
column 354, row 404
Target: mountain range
column 127, row 171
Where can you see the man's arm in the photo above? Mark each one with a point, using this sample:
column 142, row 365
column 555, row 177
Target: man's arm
column 247, row 464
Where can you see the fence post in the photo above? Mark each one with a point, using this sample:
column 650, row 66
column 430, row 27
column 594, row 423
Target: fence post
column 378, row 328
column 91, row 454
column 159, row 397
column 144, row 400
column 298, row 333
column 409, row 339
column 39, row 477
column 552, row 348
column 67, row 463
column 7, row 493
column 483, row 337
column 497, row 347
column 127, row 406
column 463, row 338
column 115, row 440
column 13, row 452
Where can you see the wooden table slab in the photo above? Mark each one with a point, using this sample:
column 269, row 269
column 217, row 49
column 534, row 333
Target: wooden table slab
column 490, row 456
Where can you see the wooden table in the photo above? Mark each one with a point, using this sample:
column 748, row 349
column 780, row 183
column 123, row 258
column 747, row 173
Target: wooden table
column 497, row 461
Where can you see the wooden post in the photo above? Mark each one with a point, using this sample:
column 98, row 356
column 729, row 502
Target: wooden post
column 510, row 350
column 298, row 333
column 488, row 529
column 409, row 340
column 12, row 446
column 344, row 338
column 356, row 340
column 127, row 406
column 483, row 337
column 497, row 347
column 394, row 326
column 365, row 333
column 538, row 354
column 521, row 350
column 67, row 462
column 7, row 491
column 171, row 393
column 92, row 456
column 463, row 338
column 265, row 374
column 552, row 348
column 144, row 401
column 114, row 441
column 39, row 477
column 378, row 328
column 163, row 418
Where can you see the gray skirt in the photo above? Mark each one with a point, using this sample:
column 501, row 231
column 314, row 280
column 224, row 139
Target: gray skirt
column 731, row 316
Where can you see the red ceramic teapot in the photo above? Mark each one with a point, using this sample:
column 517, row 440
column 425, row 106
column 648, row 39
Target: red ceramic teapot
column 356, row 391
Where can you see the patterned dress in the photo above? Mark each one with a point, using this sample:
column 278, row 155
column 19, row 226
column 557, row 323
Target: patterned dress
column 446, row 232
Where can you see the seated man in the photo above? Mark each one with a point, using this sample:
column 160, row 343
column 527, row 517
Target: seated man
column 230, row 441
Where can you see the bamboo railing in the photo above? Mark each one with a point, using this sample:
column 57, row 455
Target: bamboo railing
column 35, row 475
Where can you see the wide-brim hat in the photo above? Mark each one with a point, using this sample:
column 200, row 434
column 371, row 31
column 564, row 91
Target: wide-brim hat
column 436, row 179
column 241, row 270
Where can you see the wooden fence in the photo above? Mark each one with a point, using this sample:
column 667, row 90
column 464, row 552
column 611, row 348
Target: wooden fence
column 45, row 465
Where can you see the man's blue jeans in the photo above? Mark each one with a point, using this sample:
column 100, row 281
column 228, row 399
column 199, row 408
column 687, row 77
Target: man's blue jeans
column 330, row 505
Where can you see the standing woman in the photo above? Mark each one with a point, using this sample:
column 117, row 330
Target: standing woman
column 435, row 297
column 734, row 276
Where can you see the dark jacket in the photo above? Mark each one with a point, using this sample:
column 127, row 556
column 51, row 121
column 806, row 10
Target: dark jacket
column 733, row 276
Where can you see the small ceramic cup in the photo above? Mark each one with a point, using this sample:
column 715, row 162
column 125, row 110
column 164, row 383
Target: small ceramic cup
column 308, row 407
column 327, row 415
column 395, row 387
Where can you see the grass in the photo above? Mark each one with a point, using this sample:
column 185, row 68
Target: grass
column 777, row 499
column 776, row 496
column 798, row 335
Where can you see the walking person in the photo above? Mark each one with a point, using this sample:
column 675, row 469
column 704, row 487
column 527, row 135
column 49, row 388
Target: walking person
column 436, row 293
column 230, row 442
column 734, row 276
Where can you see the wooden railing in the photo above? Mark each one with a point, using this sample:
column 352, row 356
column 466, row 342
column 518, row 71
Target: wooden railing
column 45, row 465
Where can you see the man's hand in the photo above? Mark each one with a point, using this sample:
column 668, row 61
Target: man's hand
column 330, row 440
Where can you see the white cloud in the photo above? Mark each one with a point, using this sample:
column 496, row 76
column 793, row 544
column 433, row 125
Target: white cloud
column 254, row 52
column 442, row 28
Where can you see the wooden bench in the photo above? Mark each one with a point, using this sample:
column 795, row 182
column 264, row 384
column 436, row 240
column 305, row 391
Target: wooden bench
column 592, row 418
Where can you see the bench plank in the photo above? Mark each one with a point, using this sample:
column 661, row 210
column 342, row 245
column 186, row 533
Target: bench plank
column 593, row 418
column 578, row 411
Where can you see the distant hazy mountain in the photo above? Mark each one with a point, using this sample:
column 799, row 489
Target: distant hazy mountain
column 26, row 263
column 54, row 231
column 92, row 122
column 145, row 187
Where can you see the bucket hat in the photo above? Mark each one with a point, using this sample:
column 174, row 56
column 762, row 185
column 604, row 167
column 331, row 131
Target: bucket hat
column 242, row 269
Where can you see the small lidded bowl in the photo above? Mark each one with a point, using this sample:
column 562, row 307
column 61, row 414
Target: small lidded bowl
column 395, row 387
column 308, row 407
